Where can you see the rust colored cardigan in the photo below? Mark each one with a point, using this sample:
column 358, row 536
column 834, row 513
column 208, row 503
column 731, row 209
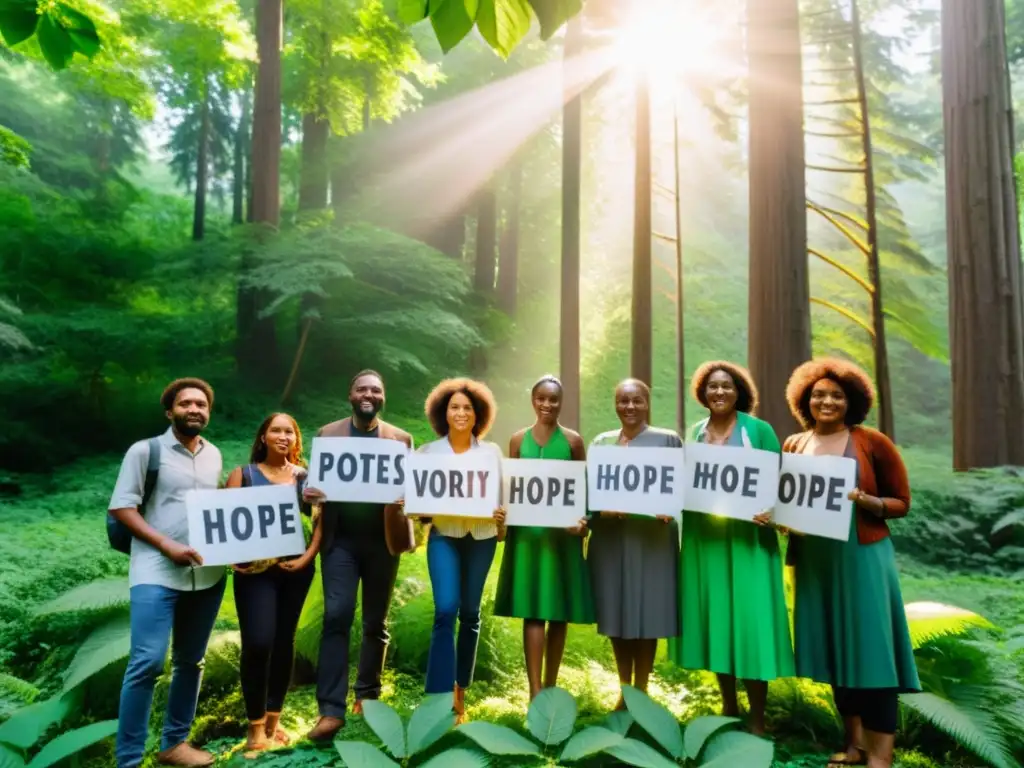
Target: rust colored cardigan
column 880, row 472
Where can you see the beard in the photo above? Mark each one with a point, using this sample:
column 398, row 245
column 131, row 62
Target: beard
column 366, row 409
column 188, row 428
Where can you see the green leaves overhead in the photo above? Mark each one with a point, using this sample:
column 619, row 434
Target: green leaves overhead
column 60, row 30
column 502, row 23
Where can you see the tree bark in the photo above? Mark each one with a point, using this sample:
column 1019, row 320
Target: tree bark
column 486, row 240
column 886, row 422
column 642, row 348
column 202, row 165
column 239, row 187
column 448, row 235
column 508, row 251
column 266, row 132
column 779, row 334
column 984, row 269
column 315, row 173
column 572, row 142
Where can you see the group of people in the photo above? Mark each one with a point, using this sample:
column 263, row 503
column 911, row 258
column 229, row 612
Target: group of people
column 718, row 598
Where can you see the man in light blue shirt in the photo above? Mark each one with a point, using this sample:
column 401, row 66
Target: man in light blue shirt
column 173, row 596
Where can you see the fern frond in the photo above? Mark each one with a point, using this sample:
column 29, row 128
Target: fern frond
column 14, row 694
column 929, row 621
column 26, row 726
column 107, row 644
column 100, row 595
column 72, row 742
column 976, row 730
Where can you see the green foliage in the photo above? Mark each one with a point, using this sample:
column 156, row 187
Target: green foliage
column 429, row 722
column 106, row 645
column 930, row 621
column 60, row 30
column 551, row 716
column 72, row 742
column 14, row 150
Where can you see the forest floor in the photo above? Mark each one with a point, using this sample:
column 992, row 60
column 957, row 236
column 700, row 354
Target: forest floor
column 54, row 540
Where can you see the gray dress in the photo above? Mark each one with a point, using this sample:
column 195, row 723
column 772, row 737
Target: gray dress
column 634, row 563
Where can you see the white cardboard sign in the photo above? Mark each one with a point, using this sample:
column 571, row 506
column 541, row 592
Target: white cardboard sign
column 730, row 481
column 238, row 525
column 358, row 469
column 458, row 485
column 546, row 493
column 636, row 480
column 812, row 495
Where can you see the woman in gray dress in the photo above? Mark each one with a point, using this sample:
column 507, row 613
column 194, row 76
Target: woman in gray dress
column 634, row 560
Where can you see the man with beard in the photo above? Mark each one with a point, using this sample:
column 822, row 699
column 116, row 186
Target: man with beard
column 173, row 597
column 354, row 547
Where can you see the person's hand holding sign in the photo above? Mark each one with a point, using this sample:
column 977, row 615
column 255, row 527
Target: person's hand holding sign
column 291, row 566
column 665, row 518
column 764, row 518
column 180, row 554
column 499, row 520
column 580, row 529
column 868, row 503
column 313, row 495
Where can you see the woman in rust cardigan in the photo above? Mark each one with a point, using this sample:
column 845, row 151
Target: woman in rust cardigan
column 850, row 628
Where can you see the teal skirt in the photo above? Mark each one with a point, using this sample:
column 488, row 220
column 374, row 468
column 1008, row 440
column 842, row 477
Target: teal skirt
column 849, row 624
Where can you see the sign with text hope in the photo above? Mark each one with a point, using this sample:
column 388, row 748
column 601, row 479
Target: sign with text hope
column 813, row 495
column 638, row 481
column 364, row 469
column 237, row 525
column 730, row 481
column 544, row 492
column 461, row 485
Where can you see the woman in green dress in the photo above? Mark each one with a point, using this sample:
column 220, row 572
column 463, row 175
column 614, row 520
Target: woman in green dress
column 544, row 579
column 732, row 599
column 849, row 622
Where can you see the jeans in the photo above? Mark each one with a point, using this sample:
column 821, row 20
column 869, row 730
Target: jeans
column 269, row 605
column 458, row 569
column 160, row 615
column 349, row 560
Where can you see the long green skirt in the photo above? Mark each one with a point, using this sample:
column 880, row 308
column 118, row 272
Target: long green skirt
column 849, row 622
column 733, row 603
column 544, row 577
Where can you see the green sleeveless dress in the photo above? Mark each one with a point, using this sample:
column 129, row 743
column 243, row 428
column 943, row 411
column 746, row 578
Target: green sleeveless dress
column 543, row 574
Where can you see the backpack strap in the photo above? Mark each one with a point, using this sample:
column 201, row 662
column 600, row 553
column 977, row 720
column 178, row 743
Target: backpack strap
column 152, row 470
column 247, row 476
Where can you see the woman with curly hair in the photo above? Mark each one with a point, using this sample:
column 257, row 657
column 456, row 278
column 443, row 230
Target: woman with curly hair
column 732, row 600
column 459, row 550
column 634, row 560
column 269, row 594
column 544, row 579
column 850, row 626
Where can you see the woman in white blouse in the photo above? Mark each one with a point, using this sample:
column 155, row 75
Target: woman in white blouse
column 459, row 550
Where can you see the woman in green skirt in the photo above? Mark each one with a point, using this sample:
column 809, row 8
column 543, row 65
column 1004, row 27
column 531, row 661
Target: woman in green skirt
column 850, row 625
column 544, row 579
column 732, row 599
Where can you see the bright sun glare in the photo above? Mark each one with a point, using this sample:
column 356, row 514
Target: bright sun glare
column 667, row 39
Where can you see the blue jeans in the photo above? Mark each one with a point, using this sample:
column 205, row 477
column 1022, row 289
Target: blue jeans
column 157, row 614
column 458, row 570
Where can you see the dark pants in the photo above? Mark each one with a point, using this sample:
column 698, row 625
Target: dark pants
column 162, row 617
column 269, row 605
column 349, row 561
column 877, row 708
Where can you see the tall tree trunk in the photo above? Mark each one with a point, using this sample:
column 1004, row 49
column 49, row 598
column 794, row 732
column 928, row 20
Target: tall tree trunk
column 508, row 252
column 486, row 240
column 448, row 235
column 239, row 187
column 572, row 162
column 985, row 311
column 682, row 391
column 779, row 334
column 266, row 131
column 315, row 173
column 881, row 349
column 642, row 348
column 202, row 165
column 258, row 353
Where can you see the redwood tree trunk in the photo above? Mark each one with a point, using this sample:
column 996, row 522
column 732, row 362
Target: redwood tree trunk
column 202, row 165
column 572, row 141
column 257, row 355
column 315, row 173
column 508, row 252
column 985, row 311
column 779, row 335
column 239, row 175
column 642, row 349
column 486, row 240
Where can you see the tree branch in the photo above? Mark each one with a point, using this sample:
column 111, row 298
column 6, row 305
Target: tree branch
column 844, row 269
column 845, row 313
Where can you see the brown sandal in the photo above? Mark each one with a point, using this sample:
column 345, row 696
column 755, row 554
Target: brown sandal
column 840, row 759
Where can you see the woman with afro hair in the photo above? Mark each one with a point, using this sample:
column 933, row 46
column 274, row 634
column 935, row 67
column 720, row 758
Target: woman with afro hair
column 850, row 626
column 732, row 599
column 459, row 550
